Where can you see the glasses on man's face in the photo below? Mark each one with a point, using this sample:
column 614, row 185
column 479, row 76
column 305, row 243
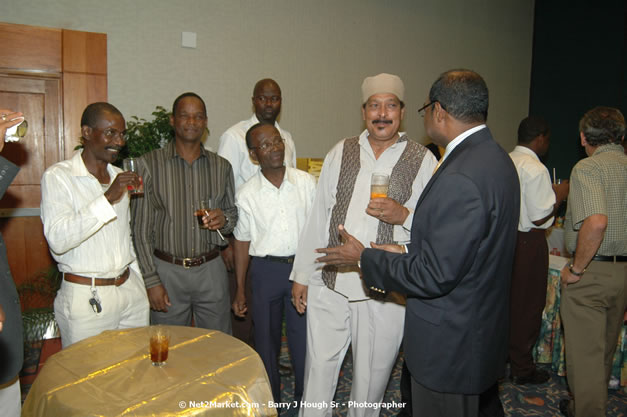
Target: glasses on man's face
column 422, row 110
column 111, row 133
column 271, row 144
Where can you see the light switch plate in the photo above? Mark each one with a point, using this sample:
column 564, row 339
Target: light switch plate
column 189, row 39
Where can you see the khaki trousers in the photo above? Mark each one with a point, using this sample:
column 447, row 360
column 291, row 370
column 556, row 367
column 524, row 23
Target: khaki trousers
column 592, row 313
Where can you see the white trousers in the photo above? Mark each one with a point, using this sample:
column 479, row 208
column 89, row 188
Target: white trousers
column 374, row 328
column 123, row 307
column 11, row 400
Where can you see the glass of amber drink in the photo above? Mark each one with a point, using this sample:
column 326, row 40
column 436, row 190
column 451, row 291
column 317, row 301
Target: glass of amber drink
column 159, row 344
column 379, row 185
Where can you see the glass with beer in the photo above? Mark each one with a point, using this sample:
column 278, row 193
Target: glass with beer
column 379, row 185
column 159, row 344
column 130, row 164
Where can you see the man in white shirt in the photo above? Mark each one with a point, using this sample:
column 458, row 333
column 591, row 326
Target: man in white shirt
column 273, row 207
column 539, row 201
column 85, row 213
column 267, row 104
column 340, row 310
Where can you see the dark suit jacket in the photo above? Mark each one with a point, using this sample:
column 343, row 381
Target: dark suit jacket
column 457, row 270
column 11, row 344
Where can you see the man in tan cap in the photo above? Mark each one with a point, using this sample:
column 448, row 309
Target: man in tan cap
column 340, row 310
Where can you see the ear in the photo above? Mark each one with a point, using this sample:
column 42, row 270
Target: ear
column 438, row 112
column 583, row 139
column 253, row 155
column 363, row 113
column 402, row 113
column 172, row 120
column 86, row 132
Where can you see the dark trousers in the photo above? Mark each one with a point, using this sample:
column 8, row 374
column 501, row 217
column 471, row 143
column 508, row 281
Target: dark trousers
column 428, row 403
column 272, row 293
column 527, row 300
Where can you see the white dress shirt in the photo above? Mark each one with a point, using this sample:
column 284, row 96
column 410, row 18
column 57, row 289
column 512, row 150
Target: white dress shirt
column 233, row 148
column 537, row 197
column 272, row 218
column 357, row 223
column 87, row 235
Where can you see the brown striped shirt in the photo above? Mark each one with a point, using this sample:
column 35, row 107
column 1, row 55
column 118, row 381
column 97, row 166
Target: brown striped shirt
column 164, row 217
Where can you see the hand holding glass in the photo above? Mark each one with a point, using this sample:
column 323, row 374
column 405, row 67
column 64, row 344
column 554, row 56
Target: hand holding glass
column 203, row 209
column 379, row 184
column 130, row 164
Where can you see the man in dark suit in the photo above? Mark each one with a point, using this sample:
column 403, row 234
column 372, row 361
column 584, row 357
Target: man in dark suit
column 456, row 272
column 11, row 345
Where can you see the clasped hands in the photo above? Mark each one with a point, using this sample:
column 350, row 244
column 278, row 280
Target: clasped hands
column 385, row 209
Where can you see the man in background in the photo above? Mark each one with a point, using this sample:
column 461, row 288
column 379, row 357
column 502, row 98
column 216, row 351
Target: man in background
column 11, row 343
column 340, row 310
column 180, row 260
column 86, row 218
column 266, row 101
column 594, row 282
column 539, row 201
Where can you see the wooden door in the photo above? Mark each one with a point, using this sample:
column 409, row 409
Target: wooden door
column 39, row 99
column 50, row 75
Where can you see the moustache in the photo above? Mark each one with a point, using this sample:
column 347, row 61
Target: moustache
column 382, row 121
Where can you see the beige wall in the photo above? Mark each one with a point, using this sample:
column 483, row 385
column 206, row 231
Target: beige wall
column 318, row 51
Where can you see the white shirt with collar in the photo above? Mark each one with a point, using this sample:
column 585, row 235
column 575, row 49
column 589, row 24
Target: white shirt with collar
column 87, row 235
column 272, row 218
column 536, row 192
column 459, row 139
column 359, row 224
column 233, row 148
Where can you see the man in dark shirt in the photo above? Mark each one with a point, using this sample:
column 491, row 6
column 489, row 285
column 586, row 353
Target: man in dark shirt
column 179, row 258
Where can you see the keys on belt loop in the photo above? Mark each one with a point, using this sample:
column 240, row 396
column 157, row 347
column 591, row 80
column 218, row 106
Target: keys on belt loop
column 94, row 301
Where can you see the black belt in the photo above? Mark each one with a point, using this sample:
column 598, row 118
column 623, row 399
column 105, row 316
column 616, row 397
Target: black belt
column 605, row 258
column 188, row 262
column 281, row 259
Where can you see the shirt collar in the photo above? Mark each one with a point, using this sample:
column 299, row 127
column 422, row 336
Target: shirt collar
column 363, row 139
column 609, row 147
column 170, row 150
column 459, row 139
column 526, row 151
column 78, row 168
column 288, row 180
column 255, row 120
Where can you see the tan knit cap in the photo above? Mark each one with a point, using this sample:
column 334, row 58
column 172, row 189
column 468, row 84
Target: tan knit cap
column 382, row 83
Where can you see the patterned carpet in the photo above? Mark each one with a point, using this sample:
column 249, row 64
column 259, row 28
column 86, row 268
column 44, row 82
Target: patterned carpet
column 518, row 401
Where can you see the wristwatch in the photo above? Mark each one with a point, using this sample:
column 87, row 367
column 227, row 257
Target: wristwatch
column 570, row 269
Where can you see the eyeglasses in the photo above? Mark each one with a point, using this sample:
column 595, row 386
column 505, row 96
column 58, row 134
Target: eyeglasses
column 275, row 143
column 421, row 111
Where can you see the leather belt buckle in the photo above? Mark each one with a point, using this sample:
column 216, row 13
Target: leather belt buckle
column 187, row 263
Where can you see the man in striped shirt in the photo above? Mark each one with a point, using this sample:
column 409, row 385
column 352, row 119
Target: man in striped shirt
column 178, row 255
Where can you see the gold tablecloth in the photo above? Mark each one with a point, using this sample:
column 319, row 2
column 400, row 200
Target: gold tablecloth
column 207, row 373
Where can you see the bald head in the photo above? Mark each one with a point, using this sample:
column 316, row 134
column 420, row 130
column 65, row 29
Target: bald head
column 267, row 100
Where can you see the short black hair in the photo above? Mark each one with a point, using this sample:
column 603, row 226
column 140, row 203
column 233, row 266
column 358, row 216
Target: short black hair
column 188, row 94
column 92, row 113
column 602, row 125
column 531, row 127
column 249, row 132
column 463, row 94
